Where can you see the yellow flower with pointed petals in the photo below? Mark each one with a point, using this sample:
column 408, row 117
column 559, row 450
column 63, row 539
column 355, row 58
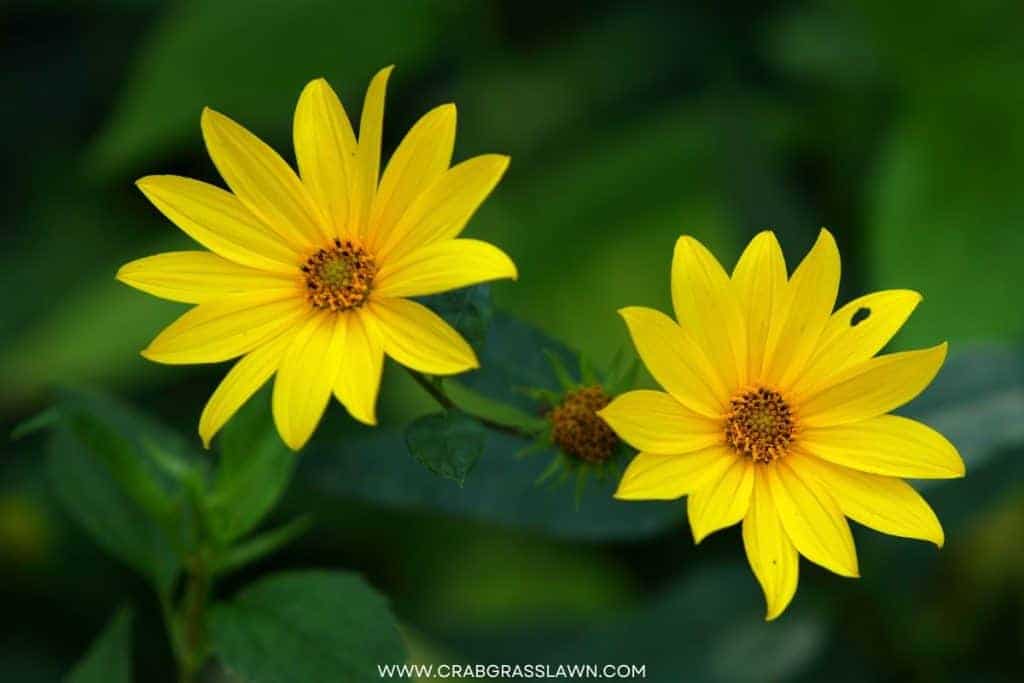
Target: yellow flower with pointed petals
column 775, row 411
column 309, row 275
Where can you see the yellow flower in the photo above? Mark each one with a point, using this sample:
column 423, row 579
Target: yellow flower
column 309, row 275
column 775, row 411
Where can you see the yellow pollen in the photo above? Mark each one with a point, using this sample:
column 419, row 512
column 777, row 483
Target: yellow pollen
column 577, row 429
column 339, row 277
column 760, row 425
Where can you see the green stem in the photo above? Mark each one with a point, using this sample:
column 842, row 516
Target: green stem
column 171, row 624
column 445, row 401
column 192, row 619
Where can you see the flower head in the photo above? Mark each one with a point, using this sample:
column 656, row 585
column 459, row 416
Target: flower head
column 309, row 275
column 582, row 444
column 775, row 408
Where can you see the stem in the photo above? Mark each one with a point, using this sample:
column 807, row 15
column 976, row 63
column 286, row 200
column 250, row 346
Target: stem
column 171, row 624
column 446, row 402
column 193, row 619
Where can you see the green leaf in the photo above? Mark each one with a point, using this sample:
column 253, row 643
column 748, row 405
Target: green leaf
column 255, row 469
column 566, row 380
column 468, row 310
column 374, row 469
column 261, row 545
column 515, row 360
column 38, row 422
column 930, row 185
column 448, row 444
column 106, row 482
column 975, row 401
column 709, row 624
column 109, row 659
column 306, row 626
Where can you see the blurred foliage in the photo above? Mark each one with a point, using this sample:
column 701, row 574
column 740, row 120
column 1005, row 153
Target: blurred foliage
column 895, row 124
column 109, row 660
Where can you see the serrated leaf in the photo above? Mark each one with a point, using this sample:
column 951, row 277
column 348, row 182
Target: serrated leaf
column 448, row 444
column 306, row 626
column 109, row 659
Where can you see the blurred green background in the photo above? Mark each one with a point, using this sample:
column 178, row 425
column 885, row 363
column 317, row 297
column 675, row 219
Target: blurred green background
column 900, row 126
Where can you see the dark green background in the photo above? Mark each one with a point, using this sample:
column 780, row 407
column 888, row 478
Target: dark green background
column 900, row 126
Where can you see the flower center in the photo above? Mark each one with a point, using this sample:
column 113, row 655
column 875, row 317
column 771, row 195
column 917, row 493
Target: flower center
column 577, row 429
column 760, row 425
column 339, row 277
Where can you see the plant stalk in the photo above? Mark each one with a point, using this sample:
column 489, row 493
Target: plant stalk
column 445, row 401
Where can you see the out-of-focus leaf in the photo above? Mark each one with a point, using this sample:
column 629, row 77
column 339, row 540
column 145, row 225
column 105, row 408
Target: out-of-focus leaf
column 827, row 44
column 103, row 478
column 706, row 627
column 972, row 401
column 468, row 310
column 306, row 626
column 503, row 489
column 448, row 444
column 109, row 659
column 130, row 472
column 604, row 239
column 709, row 626
column 931, row 186
column 254, row 471
column 555, row 582
column 41, row 355
column 261, row 545
column 37, row 422
column 515, row 359
column 199, row 55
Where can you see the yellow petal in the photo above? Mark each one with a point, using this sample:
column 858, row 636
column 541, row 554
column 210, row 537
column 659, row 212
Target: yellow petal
column 655, row 422
column 442, row 210
column 421, row 159
column 889, row 445
column 367, row 166
column 262, row 180
column 759, row 279
column 805, row 311
column 195, row 277
column 419, row 339
column 771, row 554
column 325, row 147
column 675, row 361
column 844, row 343
column 708, row 309
column 227, row 328
column 885, row 504
column 666, row 477
column 305, row 379
column 218, row 221
column 722, row 501
column 243, row 380
column 358, row 379
column 871, row 388
column 443, row 266
column 812, row 519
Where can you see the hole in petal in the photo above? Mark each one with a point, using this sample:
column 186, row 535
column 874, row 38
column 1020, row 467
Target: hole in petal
column 859, row 316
